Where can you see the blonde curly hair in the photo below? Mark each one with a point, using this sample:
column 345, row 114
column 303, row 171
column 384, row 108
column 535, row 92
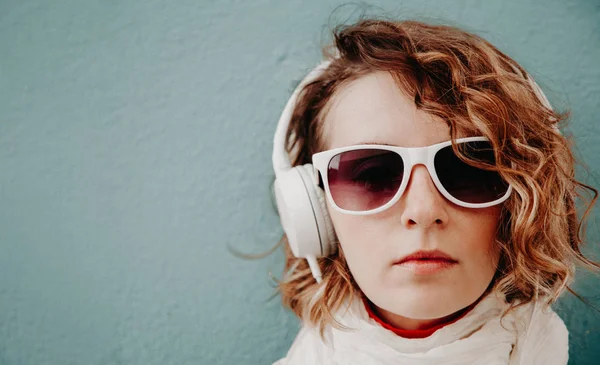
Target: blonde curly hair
column 467, row 82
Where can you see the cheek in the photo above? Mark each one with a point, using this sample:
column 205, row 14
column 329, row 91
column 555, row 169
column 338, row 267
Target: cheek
column 362, row 241
column 478, row 249
column 480, row 227
column 351, row 231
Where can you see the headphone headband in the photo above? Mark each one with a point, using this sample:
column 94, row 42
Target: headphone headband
column 281, row 160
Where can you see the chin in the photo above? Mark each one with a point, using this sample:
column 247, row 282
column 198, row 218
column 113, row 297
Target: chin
column 419, row 303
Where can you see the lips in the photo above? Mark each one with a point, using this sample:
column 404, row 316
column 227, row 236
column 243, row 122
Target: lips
column 426, row 262
column 435, row 255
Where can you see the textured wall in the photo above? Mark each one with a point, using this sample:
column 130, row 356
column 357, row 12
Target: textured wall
column 135, row 141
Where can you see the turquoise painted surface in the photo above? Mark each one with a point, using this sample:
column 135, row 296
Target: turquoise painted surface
column 135, row 141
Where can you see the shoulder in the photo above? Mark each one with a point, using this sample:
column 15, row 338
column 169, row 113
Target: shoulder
column 545, row 339
column 308, row 348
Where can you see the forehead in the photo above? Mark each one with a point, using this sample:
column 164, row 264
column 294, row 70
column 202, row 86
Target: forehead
column 373, row 109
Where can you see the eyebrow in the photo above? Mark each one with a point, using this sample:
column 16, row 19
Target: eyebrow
column 395, row 145
column 379, row 143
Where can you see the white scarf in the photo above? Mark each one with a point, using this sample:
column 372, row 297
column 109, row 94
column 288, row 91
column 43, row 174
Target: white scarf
column 530, row 335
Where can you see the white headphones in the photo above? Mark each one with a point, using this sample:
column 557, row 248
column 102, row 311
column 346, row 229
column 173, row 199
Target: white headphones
column 300, row 202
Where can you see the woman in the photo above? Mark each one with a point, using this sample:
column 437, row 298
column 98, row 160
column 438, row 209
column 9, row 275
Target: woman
column 428, row 201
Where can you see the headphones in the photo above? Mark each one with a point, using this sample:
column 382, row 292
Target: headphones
column 300, row 201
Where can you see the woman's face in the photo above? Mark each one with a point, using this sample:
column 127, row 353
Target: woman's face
column 372, row 109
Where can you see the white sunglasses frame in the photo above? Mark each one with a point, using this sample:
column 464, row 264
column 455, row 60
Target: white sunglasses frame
column 411, row 156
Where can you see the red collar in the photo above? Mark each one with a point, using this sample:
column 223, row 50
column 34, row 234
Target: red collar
column 415, row 333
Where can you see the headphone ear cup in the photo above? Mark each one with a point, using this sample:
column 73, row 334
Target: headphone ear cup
column 303, row 213
column 326, row 229
column 297, row 213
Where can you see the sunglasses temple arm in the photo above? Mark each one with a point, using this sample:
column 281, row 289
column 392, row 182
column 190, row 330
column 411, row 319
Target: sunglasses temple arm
column 314, row 268
column 317, row 175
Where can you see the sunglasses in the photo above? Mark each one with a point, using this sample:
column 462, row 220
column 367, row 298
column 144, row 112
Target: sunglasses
column 367, row 179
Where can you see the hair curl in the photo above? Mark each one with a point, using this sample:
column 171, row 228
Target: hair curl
column 467, row 82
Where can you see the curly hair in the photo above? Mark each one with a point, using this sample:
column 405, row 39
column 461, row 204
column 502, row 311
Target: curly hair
column 475, row 88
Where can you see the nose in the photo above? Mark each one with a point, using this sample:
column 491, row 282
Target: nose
column 424, row 206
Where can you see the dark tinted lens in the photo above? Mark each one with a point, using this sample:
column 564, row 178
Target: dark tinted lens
column 364, row 179
column 465, row 182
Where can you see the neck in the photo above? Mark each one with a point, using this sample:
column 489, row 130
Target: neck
column 413, row 328
column 410, row 324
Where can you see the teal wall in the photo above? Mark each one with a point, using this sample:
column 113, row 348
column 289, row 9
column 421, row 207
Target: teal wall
column 135, row 141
